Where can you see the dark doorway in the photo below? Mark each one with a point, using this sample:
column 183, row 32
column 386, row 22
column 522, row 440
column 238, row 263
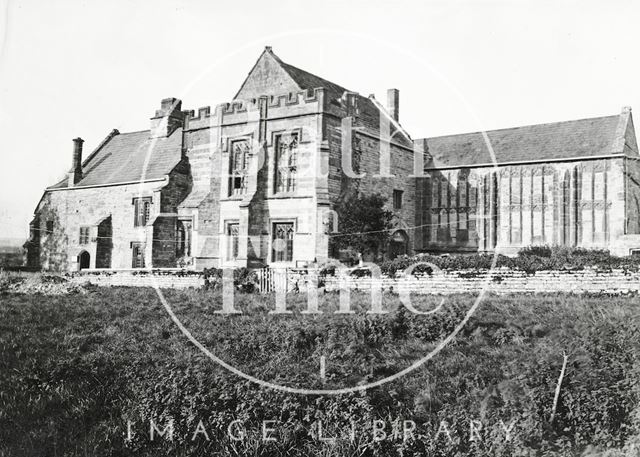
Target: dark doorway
column 84, row 259
column 398, row 245
column 104, row 244
column 137, row 255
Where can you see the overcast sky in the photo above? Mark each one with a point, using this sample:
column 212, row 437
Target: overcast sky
column 79, row 68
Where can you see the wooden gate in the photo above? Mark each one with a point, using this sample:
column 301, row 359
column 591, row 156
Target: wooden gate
column 273, row 279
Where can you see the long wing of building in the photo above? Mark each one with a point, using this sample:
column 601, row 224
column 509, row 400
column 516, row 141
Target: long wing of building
column 259, row 181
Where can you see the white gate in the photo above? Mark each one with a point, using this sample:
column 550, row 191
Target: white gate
column 273, row 279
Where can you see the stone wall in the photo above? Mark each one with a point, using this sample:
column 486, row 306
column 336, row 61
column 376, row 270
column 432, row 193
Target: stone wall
column 132, row 278
column 258, row 122
column 579, row 203
column 382, row 161
column 321, row 181
column 501, row 281
column 632, row 192
column 108, row 213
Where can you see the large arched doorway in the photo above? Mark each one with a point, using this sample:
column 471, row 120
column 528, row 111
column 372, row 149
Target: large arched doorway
column 399, row 244
column 84, row 260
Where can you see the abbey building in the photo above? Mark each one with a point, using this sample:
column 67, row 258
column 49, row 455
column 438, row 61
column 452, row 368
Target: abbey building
column 257, row 181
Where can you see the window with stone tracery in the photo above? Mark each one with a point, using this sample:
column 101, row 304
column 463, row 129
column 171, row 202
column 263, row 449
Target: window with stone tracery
column 286, row 162
column 239, row 166
column 282, row 242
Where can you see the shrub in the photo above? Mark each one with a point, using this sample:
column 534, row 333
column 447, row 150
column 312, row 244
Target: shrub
column 37, row 283
column 244, row 279
column 536, row 251
column 363, row 222
column 530, row 259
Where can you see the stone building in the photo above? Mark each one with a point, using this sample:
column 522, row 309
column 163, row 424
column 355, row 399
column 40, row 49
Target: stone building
column 256, row 182
column 249, row 183
column 574, row 183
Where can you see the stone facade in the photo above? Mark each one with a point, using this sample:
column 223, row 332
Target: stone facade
column 256, row 182
column 590, row 202
column 108, row 214
column 583, row 203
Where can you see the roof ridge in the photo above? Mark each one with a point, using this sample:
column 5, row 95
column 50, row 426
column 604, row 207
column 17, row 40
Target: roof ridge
column 267, row 50
column 101, row 145
column 521, row 126
column 311, row 74
column 135, row 131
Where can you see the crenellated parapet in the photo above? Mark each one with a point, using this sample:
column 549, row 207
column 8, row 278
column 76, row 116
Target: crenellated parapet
column 239, row 111
column 295, row 98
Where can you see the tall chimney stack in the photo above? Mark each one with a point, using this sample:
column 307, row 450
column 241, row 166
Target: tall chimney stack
column 75, row 174
column 393, row 103
column 167, row 119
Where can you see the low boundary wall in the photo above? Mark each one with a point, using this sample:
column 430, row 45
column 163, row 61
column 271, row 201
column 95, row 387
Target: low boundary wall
column 140, row 278
column 501, row 281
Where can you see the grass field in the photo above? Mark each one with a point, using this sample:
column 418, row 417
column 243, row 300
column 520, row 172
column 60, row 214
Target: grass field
column 85, row 374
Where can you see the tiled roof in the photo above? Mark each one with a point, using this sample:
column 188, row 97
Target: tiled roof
column 196, row 196
column 123, row 158
column 369, row 111
column 307, row 80
column 559, row 140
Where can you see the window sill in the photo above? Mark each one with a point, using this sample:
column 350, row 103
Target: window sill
column 284, row 196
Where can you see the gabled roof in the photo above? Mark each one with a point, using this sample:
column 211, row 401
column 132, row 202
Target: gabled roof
column 271, row 76
column 307, row 80
column 555, row 141
column 130, row 157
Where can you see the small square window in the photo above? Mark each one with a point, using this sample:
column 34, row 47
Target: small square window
column 49, row 228
column 84, row 235
column 397, row 199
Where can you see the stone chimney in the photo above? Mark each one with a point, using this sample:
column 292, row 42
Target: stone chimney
column 393, row 103
column 75, row 175
column 167, row 119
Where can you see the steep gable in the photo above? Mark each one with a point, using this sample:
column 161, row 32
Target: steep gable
column 271, row 76
column 267, row 77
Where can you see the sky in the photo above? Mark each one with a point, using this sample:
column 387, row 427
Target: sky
column 79, row 68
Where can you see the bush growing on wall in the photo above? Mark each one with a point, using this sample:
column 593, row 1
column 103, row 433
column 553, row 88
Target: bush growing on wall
column 530, row 259
column 243, row 279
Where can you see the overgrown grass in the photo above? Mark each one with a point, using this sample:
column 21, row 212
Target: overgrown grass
column 74, row 369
